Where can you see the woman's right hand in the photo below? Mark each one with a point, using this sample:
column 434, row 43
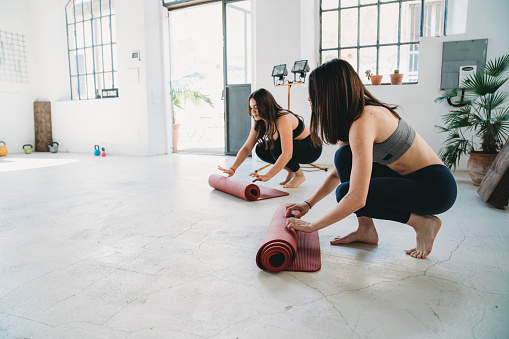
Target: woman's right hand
column 300, row 208
column 230, row 171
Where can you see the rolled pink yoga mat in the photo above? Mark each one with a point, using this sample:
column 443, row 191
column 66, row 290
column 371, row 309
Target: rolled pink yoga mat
column 288, row 250
column 245, row 190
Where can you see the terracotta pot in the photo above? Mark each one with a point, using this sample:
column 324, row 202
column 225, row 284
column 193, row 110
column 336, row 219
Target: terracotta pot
column 376, row 79
column 397, row 79
column 478, row 165
column 175, row 136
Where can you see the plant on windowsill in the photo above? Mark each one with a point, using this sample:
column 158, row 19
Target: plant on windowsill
column 396, row 77
column 482, row 112
column 375, row 79
column 181, row 93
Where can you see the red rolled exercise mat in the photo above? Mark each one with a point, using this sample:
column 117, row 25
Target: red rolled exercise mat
column 242, row 189
column 288, row 250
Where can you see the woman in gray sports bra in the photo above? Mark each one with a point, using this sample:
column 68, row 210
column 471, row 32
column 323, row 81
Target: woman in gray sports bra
column 400, row 178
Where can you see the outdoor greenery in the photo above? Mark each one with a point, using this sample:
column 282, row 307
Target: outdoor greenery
column 482, row 112
column 183, row 92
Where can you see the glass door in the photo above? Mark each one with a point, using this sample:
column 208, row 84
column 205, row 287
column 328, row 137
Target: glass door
column 210, row 49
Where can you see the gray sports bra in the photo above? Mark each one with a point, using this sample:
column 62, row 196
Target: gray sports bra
column 391, row 149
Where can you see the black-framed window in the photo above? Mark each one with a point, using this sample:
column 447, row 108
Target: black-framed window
column 379, row 35
column 92, row 48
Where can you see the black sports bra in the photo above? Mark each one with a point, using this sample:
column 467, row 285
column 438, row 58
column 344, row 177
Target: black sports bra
column 298, row 130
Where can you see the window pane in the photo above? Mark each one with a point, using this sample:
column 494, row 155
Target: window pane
column 96, row 24
column 89, row 60
column 82, row 87
column 409, row 62
column 81, row 61
column 114, row 49
column 105, row 7
column 108, row 80
column 330, row 29
column 78, row 13
column 99, row 82
column 87, row 14
column 112, row 7
column 410, row 21
column 79, row 35
column 329, row 55
column 349, row 18
column 74, row 88
column 107, row 58
column 349, row 3
column 98, row 58
column 106, row 30
column 367, row 60
column 389, row 15
column 433, row 18
column 115, row 79
column 368, row 2
column 72, row 63
column 90, row 86
column 113, row 29
column 350, row 55
column 69, row 10
column 71, row 37
column 368, row 25
column 387, row 60
column 88, row 33
column 329, row 4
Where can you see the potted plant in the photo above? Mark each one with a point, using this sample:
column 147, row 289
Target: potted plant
column 396, row 77
column 375, row 79
column 483, row 113
column 181, row 93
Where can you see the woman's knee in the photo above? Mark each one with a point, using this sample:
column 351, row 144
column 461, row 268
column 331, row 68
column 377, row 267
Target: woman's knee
column 264, row 153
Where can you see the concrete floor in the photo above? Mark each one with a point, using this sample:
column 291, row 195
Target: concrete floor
column 130, row 247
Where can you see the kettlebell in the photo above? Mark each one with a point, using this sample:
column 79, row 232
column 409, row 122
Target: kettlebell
column 27, row 150
column 3, row 149
column 52, row 147
column 103, row 153
column 97, row 151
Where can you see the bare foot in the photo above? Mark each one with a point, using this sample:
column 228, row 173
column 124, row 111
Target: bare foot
column 298, row 178
column 366, row 233
column 289, row 177
column 426, row 229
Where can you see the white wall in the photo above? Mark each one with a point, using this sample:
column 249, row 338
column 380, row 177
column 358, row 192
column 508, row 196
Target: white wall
column 277, row 42
column 133, row 124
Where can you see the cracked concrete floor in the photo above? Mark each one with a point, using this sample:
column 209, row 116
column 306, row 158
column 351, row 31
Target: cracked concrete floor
column 142, row 247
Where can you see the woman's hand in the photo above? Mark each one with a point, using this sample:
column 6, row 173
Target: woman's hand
column 230, row 171
column 301, row 210
column 300, row 225
column 259, row 177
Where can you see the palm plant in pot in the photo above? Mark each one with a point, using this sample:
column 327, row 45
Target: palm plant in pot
column 181, row 93
column 483, row 113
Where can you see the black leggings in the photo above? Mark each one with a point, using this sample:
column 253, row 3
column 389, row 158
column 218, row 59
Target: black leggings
column 304, row 152
column 391, row 196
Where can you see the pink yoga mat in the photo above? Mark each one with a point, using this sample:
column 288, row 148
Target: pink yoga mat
column 288, row 250
column 244, row 190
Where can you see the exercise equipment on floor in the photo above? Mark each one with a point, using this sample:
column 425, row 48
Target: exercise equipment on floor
column 103, row 152
column 288, row 250
column 3, row 149
column 97, row 150
column 27, row 148
column 245, row 190
column 53, row 147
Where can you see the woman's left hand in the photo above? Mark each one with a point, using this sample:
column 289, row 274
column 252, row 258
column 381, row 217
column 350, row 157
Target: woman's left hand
column 259, row 177
column 299, row 225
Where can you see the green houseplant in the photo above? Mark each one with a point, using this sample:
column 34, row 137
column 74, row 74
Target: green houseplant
column 182, row 92
column 481, row 112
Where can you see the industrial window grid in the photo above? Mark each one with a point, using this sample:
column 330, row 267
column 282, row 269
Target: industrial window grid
column 421, row 11
column 92, row 49
column 13, row 58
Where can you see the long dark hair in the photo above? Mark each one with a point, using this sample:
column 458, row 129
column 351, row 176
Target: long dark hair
column 269, row 111
column 338, row 98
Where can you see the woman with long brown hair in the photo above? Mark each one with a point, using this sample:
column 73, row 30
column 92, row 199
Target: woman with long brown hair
column 383, row 168
column 281, row 138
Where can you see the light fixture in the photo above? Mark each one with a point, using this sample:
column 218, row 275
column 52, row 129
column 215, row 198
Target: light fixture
column 279, row 72
column 300, row 67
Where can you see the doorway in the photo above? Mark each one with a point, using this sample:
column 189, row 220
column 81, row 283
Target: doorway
column 210, row 67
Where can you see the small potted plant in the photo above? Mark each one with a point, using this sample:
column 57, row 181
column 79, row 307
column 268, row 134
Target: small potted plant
column 375, row 79
column 483, row 112
column 396, row 77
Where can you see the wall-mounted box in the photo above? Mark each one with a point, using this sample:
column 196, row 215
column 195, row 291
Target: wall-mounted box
column 456, row 55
